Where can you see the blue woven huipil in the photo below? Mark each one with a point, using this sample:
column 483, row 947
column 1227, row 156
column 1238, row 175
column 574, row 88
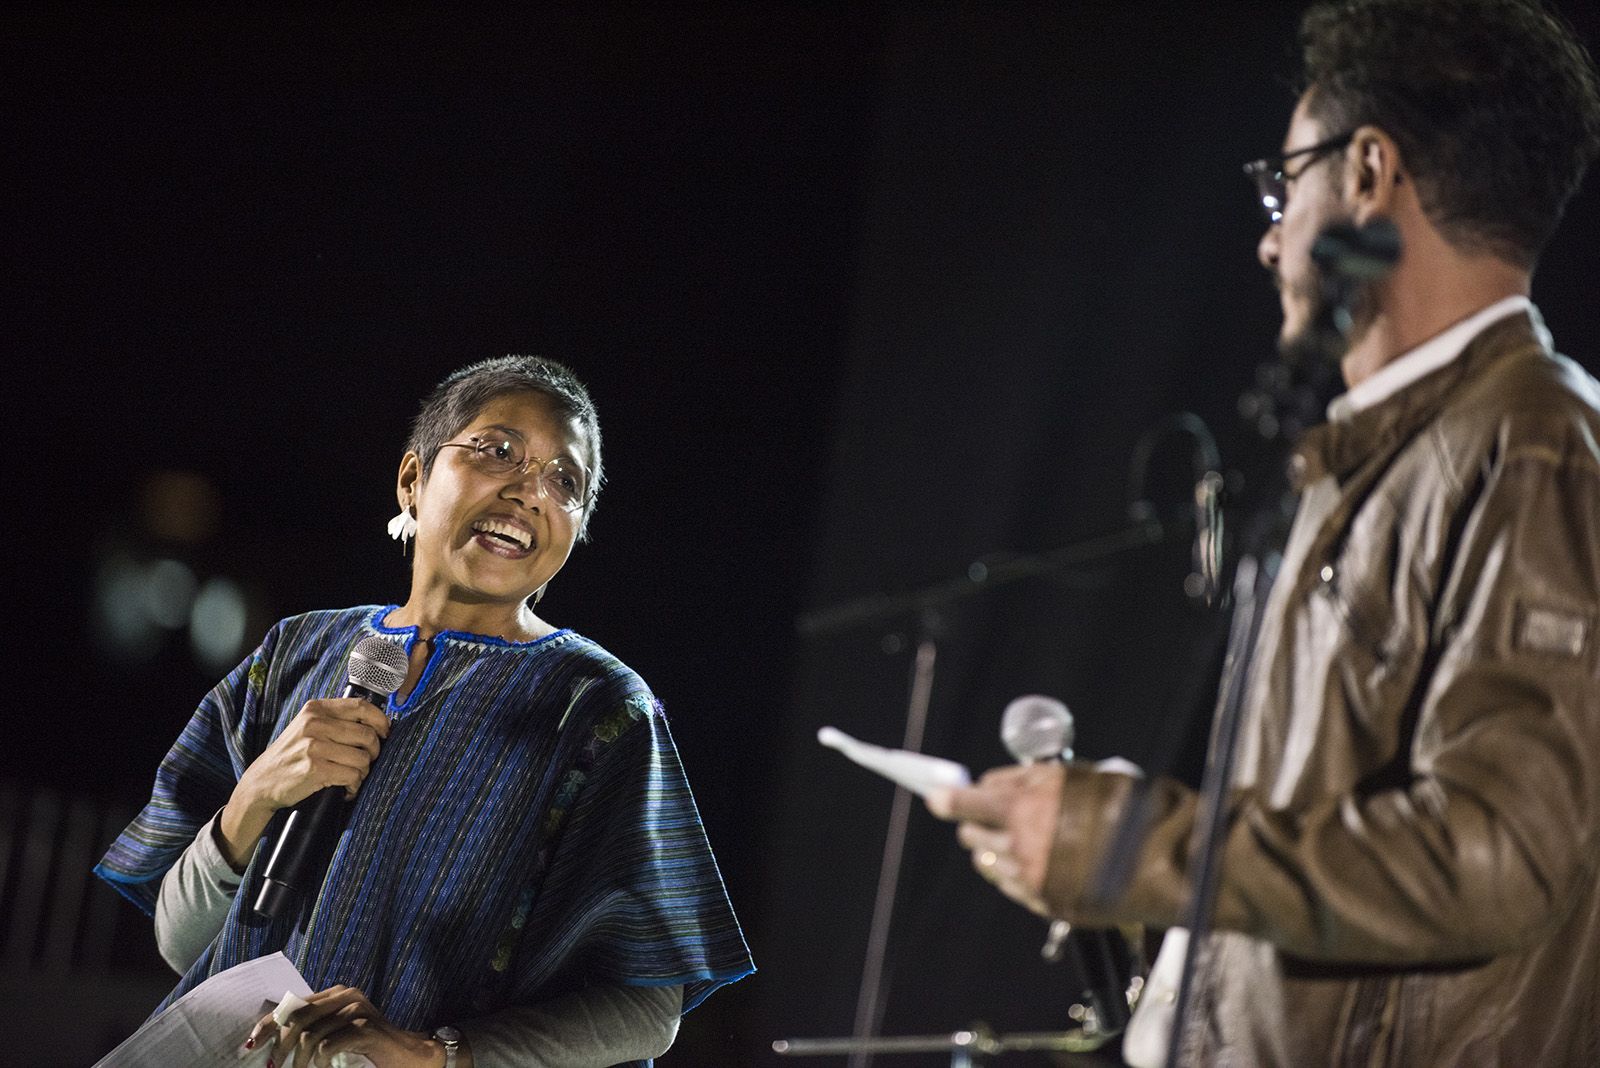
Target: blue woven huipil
column 527, row 829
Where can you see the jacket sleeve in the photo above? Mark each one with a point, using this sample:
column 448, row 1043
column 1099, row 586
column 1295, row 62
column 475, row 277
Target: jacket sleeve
column 1476, row 848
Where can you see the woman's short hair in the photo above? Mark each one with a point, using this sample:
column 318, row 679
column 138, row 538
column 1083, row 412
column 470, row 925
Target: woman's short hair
column 457, row 400
column 1493, row 104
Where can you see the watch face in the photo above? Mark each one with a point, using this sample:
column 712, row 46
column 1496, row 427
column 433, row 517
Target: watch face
column 448, row 1035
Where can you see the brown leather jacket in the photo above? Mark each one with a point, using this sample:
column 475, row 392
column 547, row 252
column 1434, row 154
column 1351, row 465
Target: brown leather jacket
column 1410, row 866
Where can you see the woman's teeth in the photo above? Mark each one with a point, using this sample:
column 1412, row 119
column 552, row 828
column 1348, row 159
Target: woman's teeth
column 506, row 532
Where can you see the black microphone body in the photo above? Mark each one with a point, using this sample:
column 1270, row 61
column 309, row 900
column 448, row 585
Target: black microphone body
column 305, row 845
column 1348, row 257
column 1357, row 252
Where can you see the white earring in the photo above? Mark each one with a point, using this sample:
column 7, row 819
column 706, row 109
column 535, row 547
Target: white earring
column 403, row 527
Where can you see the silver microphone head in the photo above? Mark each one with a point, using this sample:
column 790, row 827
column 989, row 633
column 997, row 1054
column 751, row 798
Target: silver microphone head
column 1036, row 728
column 378, row 665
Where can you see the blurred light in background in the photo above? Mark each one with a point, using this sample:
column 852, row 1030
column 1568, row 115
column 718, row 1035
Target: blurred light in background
column 181, row 507
column 122, row 625
column 217, row 624
column 168, row 587
column 144, row 596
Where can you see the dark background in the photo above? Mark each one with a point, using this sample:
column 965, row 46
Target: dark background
column 863, row 293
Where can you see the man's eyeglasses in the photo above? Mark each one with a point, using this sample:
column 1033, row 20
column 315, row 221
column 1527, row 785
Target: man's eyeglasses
column 1273, row 184
column 561, row 479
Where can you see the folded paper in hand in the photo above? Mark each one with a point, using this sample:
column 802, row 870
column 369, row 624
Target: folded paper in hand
column 206, row 1028
column 292, row 1001
column 917, row 772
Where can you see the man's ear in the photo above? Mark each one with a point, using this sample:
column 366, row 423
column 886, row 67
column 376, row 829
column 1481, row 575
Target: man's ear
column 1372, row 173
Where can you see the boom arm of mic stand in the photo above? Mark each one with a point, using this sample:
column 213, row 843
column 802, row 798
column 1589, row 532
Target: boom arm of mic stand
column 979, row 578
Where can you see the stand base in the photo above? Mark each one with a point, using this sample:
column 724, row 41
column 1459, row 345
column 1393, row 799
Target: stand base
column 966, row 1048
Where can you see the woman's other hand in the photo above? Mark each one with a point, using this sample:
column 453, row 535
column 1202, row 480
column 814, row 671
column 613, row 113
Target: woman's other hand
column 340, row 1019
column 331, row 742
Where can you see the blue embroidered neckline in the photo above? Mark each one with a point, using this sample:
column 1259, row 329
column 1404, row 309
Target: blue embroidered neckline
column 462, row 636
column 409, row 636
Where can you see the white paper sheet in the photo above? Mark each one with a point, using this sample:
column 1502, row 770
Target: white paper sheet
column 206, row 1028
column 917, row 772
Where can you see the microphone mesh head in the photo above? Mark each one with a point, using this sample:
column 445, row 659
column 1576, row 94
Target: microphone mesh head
column 378, row 665
column 1036, row 728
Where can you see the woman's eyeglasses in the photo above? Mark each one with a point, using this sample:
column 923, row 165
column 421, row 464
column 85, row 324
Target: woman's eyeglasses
column 561, row 479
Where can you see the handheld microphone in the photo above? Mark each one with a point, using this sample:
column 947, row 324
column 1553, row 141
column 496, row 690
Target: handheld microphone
column 1036, row 729
column 299, row 862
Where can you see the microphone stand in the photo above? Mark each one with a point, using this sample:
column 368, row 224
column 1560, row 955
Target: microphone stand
column 1211, row 822
column 869, row 998
column 926, row 604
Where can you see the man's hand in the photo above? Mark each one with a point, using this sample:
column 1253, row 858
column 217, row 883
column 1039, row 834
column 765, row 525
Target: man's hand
column 1008, row 821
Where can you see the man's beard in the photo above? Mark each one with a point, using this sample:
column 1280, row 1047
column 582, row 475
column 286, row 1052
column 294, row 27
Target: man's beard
column 1339, row 311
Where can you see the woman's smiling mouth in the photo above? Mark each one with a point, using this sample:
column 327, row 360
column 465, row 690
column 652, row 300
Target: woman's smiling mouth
column 503, row 537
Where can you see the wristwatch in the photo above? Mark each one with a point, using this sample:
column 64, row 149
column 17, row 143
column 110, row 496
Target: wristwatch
column 450, row 1038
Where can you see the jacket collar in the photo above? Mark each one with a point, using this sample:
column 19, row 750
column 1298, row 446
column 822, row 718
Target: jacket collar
column 1339, row 447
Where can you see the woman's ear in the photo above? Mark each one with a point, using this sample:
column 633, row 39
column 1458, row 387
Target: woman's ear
column 409, row 480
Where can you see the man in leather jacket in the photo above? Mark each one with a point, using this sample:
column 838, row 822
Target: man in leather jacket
column 1410, row 854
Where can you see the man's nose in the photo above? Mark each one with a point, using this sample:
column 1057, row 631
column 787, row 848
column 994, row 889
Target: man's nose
column 1267, row 249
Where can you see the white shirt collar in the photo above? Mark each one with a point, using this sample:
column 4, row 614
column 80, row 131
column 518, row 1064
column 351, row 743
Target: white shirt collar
column 1429, row 356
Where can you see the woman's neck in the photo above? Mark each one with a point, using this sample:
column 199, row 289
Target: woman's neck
column 430, row 615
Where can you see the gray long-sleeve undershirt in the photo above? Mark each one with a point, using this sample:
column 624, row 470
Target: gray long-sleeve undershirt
column 595, row 1027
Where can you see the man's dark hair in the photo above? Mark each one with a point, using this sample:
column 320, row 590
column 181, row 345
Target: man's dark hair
column 1493, row 104
column 457, row 400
